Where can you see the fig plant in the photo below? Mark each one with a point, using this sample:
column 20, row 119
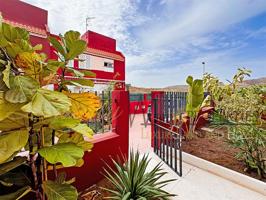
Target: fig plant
column 41, row 129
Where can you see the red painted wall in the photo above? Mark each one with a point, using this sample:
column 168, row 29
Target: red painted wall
column 24, row 13
column 102, row 42
column 106, row 146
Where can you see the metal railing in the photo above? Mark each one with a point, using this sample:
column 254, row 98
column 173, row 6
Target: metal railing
column 167, row 123
column 102, row 122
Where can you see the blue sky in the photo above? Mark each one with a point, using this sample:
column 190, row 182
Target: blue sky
column 164, row 41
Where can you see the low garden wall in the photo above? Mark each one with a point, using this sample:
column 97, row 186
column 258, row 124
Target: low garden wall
column 106, row 146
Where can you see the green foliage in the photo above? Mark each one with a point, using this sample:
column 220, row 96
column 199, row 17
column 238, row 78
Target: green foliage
column 241, row 109
column 252, row 142
column 195, row 96
column 8, row 166
column 65, row 153
column 11, row 142
column 34, row 118
column 17, row 195
column 132, row 180
column 59, row 191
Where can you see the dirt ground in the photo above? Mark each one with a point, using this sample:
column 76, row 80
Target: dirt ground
column 215, row 148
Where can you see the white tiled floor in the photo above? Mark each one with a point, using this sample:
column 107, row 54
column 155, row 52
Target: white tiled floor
column 195, row 184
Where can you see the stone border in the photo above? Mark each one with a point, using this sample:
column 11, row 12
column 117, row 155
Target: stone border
column 236, row 177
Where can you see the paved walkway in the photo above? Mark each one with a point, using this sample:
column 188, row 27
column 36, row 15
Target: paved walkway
column 195, row 184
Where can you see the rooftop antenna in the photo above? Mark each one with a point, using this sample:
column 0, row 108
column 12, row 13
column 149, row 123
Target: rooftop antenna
column 88, row 20
column 203, row 68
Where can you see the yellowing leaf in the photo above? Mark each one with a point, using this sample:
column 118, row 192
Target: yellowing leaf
column 11, row 142
column 6, row 108
column 84, row 130
column 77, row 139
column 30, row 63
column 16, row 120
column 22, row 89
column 47, row 103
column 84, row 105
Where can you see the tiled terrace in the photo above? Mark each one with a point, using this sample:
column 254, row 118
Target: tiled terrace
column 196, row 184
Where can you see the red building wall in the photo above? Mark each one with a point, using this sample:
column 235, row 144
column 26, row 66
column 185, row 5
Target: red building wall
column 24, row 13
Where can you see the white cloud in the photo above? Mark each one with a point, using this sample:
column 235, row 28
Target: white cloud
column 110, row 17
column 184, row 32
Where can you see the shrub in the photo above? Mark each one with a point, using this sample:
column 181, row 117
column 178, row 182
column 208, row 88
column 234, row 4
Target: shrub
column 251, row 140
column 241, row 109
column 131, row 180
column 32, row 117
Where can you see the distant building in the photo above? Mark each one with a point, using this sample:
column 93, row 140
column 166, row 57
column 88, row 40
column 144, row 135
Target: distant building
column 101, row 56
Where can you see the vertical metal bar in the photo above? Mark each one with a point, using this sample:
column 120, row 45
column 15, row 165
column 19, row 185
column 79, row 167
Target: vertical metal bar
column 161, row 143
column 171, row 108
column 180, row 151
column 155, row 112
column 102, row 111
column 167, row 107
column 109, row 111
column 163, row 135
column 175, row 105
column 175, row 149
column 167, row 147
column 95, row 119
column 171, row 150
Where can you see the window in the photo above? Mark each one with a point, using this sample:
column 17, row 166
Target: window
column 71, row 64
column 85, row 63
column 108, row 64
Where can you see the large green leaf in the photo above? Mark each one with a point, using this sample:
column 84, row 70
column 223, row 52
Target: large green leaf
column 77, row 139
column 13, row 49
column 65, row 153
column 70, row 123
column 195, row 96
column 56, row 191
column 8, row 166
column 22, row 89
column 57, row 45
column 76, row 49
column 7, row 109
column 75, row 46
column 83, row 129
column 9, row 32
column 17, row 195
column 16, row 120
column 11, row 142
column 81, row 82
column 6, row 74
column 63, row 122
column 74, row 72
column 47, row 103
column 22, row 33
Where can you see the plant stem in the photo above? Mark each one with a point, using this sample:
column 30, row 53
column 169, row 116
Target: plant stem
column 32, row 157
column 53, row 142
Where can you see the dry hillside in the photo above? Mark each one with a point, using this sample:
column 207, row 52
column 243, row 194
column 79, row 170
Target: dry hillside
column 183, row 88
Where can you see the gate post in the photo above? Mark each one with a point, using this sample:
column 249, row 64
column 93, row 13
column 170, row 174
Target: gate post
column 120, row 118
column 155, row 95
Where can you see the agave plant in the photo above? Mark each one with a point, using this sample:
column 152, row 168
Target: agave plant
column 131, row 180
